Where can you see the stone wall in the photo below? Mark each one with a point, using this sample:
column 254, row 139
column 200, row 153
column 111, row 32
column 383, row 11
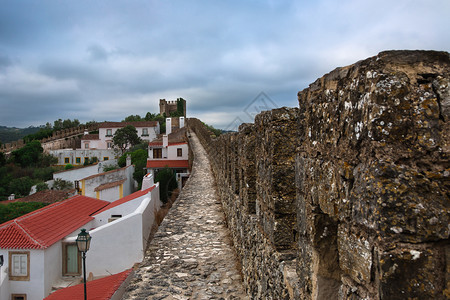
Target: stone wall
column 61, row 139
column 346, row 196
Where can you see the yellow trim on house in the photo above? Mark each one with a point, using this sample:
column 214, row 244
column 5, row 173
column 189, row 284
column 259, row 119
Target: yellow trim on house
column 98, row 194
column 121, row 191
column 83, row 187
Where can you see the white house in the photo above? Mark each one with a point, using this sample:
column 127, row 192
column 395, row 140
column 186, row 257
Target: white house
column 109, row 186
column 79, row 157
column 39, row 247
column 169, row 150
column 146, row 130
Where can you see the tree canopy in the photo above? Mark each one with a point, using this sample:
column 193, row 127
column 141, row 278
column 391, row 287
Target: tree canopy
column 126, row 137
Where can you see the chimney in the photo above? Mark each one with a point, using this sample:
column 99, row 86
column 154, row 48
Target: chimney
column 181, row 122
column 165, row 140
column 128, row 160
column 168, row 125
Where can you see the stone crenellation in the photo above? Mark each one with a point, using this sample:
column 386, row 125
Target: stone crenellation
column 61, row 139
column 346, row 196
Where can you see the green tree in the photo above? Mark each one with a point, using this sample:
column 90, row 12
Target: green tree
column 16, row 209
column 41, row 186
column 126, row 137
column 21, row 186
column 2, row 159
column 133, row 118
column 28, row 155
column 167, row 183
column 61, row 185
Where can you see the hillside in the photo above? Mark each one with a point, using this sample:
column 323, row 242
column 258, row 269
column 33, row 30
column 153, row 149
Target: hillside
column 10, row 134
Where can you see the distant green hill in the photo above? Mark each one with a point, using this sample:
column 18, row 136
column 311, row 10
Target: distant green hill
column 11, row 134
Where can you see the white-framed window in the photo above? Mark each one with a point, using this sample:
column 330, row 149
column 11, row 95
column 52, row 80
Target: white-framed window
column 145, row 131
column 179, row 152
column 19, row 265
column 108, row 132
column 110, row 145
column 86, row 145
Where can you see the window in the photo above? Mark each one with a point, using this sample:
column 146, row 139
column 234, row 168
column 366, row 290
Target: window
column 86, row 160
column 108, row 132
column 18, row 296
column 66, row 160
column 78, row 160
column 179, row 152
column 106, row 158
column 86, row 145
column 145, row 131
column 71, row 259
column 110, row 145
column 19, row 266
column 157, row 153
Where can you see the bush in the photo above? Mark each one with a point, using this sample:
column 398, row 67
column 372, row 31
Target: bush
column 43, row 174
column 167, row 183
column 68, row 167
column 21, row 186
column 16, row 209
column 41, row 186
column 61, row 185
column 110, row 168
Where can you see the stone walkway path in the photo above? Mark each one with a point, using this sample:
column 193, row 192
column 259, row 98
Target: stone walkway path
column 191, row 256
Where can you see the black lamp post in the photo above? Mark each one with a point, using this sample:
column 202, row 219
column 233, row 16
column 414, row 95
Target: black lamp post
column 83, row 242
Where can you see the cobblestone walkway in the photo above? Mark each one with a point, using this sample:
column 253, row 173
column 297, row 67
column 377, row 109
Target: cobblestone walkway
column 191, row 256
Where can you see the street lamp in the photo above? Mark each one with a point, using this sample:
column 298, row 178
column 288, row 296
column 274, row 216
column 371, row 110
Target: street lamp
column 83, row 242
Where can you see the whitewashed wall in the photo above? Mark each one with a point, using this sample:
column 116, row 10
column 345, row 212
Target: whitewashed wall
column 80, row 173
column 118, row 245
column 81, row 153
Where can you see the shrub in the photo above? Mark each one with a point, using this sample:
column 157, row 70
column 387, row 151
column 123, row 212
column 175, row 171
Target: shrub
column 68, row 167
column 16, row 209
column 61, row 185
column 167, row 183
column 110, row 168
column 41, row 186
column 21, row 186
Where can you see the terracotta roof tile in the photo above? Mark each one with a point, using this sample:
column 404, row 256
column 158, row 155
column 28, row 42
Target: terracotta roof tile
column 99, row 289
column 90, row 137
column 109, row 185
column 167, row 163
column 44, row 227
column 123, row 124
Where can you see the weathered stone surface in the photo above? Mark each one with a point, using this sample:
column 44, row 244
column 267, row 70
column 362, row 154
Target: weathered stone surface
column 351, row 189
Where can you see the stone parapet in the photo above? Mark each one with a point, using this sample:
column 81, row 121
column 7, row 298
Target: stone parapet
column 346, row 196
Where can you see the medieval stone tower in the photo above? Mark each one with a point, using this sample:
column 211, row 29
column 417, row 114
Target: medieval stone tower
column 172, row 106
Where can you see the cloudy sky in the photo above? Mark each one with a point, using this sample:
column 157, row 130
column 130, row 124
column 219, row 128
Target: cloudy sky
column 107, row 59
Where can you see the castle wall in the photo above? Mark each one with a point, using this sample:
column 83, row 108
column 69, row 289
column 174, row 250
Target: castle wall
column 346, row 196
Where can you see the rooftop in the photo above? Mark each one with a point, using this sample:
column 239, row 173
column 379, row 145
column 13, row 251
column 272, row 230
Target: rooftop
column 176, row 137
column 123, row 124
column 99, row 289
column 43, row 227
column 167, row 163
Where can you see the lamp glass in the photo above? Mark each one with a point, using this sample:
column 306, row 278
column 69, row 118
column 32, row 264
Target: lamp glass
column 83, row 241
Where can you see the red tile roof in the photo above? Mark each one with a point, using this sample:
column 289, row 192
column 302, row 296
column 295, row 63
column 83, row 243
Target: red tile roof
column 43, row 227
column 124, row 124
column 90, row 137
column 99, row 289
column 126, row 199
column 167, row 163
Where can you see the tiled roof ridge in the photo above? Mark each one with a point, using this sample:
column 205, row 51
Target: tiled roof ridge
column 109, row 185
column 39, row 243
column 37, row 211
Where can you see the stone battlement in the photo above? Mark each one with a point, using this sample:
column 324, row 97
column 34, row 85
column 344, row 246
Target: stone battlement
column 346, row 196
